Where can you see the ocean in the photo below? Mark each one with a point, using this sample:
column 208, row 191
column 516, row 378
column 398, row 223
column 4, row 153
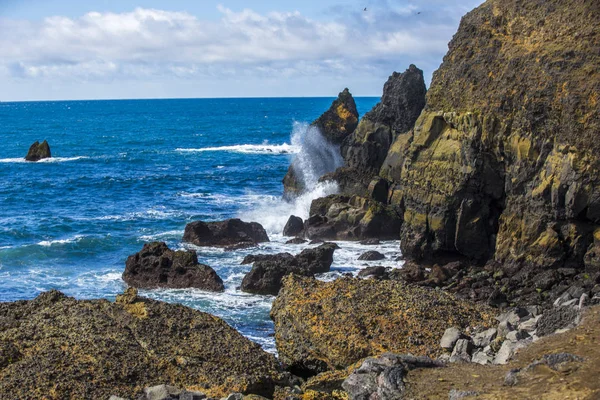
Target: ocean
column 128, row 172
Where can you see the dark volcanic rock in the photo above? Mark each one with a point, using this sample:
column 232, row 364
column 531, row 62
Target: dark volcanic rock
column 268, row 270
column 296, row 241
column 294, row 226
column 334, row 126
column 330, row 325
column 224, row 233
column 38, row 151
column 376, row 272
column 371, row 256
column 157, row 266
column 338, row 217
column 92, row 349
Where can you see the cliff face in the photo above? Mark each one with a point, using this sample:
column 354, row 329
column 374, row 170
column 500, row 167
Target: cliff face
column 503, row 162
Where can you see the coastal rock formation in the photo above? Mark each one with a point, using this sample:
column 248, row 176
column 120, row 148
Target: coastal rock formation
column 339, row 217
column 334, row 125
column 231, row 232
column 268, row 270
column 323, row 326
column 158, row 266
column 293, row 227
column 91, row 349
column 38, row 151
column 503, row 168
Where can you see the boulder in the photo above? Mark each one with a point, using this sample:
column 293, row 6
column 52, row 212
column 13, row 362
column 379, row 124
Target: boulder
column 382, row 377
column 371, row 256
column 296, row 241
column 224, row 233
column 330, row 325
column 38, row 151
column 92, row 349
column 268, row 270
column 294, row 226
column 375, row 272
column 157, row 266
column 450, row 337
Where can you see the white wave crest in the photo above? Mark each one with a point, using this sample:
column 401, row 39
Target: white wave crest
column 44, row 160
column 248, row 149
column 48, row 243
column 161, row 235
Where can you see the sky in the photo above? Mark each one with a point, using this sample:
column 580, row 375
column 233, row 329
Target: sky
column 124, row 49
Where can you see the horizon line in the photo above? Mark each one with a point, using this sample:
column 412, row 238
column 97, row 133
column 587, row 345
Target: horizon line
column 183, row 98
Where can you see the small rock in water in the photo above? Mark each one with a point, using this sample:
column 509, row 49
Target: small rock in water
column 371, row 256
column 370, row 242
column 294, row 226
column 296, row 241
column 38, row 151
column 376, row 272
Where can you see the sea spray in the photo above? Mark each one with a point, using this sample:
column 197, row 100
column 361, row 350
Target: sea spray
column 316, row 156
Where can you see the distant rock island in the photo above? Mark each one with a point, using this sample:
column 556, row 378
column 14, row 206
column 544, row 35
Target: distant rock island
column 38, row 151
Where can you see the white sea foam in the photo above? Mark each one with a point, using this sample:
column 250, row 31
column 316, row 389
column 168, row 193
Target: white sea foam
column 44, row 160
column 248, row 149
column 161, row 235
column 48, row 243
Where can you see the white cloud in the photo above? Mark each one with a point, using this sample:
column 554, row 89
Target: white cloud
column 155, row 44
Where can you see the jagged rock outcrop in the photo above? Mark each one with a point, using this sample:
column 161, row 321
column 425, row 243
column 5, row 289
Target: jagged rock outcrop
column 268, row 270
column 157, row 266
column 503, row 163
column 231, row 232
column 339, row 217
column 333, row 126
column 330, row 325
column 38, row 151
column 293, row 226
column 91, row 349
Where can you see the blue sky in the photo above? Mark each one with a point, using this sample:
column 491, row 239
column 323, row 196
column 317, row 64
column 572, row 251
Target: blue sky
column 97, row 49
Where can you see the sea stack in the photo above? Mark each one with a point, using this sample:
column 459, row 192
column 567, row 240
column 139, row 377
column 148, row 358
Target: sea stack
column 38, row 151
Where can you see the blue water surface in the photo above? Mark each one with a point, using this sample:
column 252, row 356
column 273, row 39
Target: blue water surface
column 127, row 172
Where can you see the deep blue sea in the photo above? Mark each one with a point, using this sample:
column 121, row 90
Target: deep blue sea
column 127, row 172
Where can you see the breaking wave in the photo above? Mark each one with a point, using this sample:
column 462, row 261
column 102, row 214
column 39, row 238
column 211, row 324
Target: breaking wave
column 248, row 149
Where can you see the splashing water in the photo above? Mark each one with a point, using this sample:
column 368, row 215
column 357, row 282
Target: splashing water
column 315, row 157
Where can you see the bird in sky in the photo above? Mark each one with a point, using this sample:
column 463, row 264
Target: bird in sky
column 365, row 9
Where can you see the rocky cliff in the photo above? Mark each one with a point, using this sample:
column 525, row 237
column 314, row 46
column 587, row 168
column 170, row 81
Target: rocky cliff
column 502, row 163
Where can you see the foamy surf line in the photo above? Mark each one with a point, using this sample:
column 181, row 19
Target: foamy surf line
column 44, row 160
column 248, row 149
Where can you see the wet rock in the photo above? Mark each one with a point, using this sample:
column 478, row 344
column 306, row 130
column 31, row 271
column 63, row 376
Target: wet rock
column 224, row 233
column 376, row 272
column 92, row 349
column 293, row 227
column 450, row 337
column 371, row 256
column 38, row 151
column 330, row 325
column 268, row 270
column 157, row 266
column 296, row 241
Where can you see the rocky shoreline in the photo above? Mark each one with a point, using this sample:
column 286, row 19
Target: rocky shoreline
column 489, row 179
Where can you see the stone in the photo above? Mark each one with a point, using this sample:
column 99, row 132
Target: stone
column 583, row 300
column 451, row 336
column 157, row 266
column 512, row 377
column 370, row 242
column 294, row 226
column 505, row 353
column 529, row 325
column 269, row 270
column 322, row 326
column 224, row 233
column 462, row 351
column 516, row 335
column 481, row 357
column 296, row 241
column 461, row 394
column 376, row 272
column 38, row 151
column 371, row 256
column 235, row 396
column 124, row 346
column 504, row 328
column 483, row 339
column 116, row 398
column 555, row 319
